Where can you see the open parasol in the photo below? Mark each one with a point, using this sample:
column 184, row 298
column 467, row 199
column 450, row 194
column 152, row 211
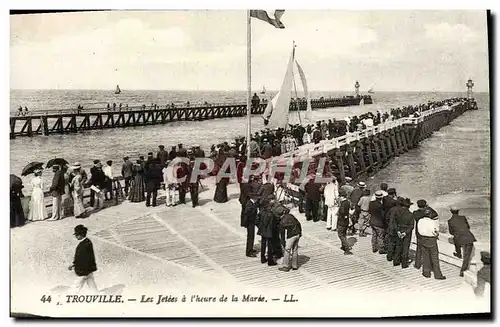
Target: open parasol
column 31, row 167
column 56, row 161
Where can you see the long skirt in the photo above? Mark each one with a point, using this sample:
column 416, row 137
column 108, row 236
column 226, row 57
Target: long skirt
column 37, row 206
column 17, row 217
column 220, row 195
column 137, row 189
column 78, row 207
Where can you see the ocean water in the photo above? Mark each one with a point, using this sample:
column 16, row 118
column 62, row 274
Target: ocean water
column 450, row 168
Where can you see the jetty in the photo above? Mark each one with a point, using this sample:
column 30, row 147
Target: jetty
column 67, row 121
column 169, row 237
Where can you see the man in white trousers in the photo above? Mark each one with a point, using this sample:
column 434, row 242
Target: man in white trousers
column 331, row 194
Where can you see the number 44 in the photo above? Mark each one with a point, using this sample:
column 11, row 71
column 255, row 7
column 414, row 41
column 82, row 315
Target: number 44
column 46, row 298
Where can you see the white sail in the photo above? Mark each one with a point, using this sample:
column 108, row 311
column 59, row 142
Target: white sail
column 277, row 110
column 306, row 91
column 370, row 90
column 263, row 90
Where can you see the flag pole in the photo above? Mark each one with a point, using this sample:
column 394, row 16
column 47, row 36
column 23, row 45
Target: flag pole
column 249, row 81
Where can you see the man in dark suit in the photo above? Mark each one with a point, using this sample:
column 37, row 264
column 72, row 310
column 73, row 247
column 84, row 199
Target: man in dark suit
column 266, row 225
column 172, row 154
column 313, row 196
column 249, row 219
column 193, row 185
column 127, row 173
column 97, row 179
column 343, row 222
column 243, row 199
column 403, row 223
column 162, row 155
column 458, row 226
column 377, row 223
column 152, row 178
column 57, row 190
column 84, row 262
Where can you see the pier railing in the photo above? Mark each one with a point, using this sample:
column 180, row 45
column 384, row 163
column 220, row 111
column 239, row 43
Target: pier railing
column 310, row 150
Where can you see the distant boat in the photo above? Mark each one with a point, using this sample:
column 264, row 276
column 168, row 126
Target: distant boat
column 370, row 90
column 263, row 90
column 118, row 91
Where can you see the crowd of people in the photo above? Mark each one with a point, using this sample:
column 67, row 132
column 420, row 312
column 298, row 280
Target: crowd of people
column 347, row 209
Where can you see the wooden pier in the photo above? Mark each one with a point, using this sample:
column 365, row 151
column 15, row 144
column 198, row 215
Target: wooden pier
column 81, row 120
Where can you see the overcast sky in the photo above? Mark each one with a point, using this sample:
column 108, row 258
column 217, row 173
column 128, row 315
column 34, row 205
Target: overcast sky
column 206, row 50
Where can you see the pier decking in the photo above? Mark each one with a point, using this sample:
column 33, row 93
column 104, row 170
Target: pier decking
column 75, row 121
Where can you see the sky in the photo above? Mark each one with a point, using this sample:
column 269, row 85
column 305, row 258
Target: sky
column 206, row 50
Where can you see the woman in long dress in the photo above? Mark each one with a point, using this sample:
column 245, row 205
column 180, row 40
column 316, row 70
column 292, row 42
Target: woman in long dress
column 220, row 195
column 37, row 205
column 67, row 198
column 137, row 189
column 76, row 186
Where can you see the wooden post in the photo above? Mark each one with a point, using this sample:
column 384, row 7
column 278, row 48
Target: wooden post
column 30, row 126
column 340, row 162
column 368, row 149
column 359, row 151
column 45, row 125
column 350, row 159
column 402, row 139
column 383, row 152
column 387, row 139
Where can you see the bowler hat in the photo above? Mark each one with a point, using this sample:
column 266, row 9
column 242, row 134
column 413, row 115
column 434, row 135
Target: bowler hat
column 406, row 202
column 391, row 191
column 150, row 153
column 96, row 161
column 80, row 230
column 161, row 146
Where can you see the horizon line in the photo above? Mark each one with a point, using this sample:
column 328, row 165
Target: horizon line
column 238, row 90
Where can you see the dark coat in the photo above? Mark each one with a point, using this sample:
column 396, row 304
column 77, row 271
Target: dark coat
column 390, row 218
column 403, row 221
column 153, row 177
column 266, row 223
column 172, row 155
column 250, row 216
column 266, row 190
column 343, row 214
column 253, row 189
column 162, row 156
column 97, row 178
column 127, row 169
column 244, row 193
column 376, row 210
column 313, row 191
column 355, row 196
column 291, row 225
column 84, row 258
column 460, row 229
column 58, row 184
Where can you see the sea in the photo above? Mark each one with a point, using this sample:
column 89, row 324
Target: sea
column 450, row 168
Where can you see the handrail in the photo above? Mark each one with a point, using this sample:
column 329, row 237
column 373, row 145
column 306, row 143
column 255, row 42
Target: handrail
column 324, row 146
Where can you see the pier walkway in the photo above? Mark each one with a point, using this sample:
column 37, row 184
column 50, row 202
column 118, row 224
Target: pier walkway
column 66, row 121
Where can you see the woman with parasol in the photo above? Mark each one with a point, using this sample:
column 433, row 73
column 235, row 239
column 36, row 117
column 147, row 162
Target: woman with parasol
column 37, row 205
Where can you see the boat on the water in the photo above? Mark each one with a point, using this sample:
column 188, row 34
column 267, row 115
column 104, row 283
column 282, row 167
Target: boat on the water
column 263, row 90
column 118, row 91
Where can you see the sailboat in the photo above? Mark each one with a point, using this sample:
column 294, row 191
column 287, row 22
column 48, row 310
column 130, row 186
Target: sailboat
column 118, row 91
column 277, row 111
column 263, row 90
column 370, row 90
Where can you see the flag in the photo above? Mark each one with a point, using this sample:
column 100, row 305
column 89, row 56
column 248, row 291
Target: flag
column 262, row 15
